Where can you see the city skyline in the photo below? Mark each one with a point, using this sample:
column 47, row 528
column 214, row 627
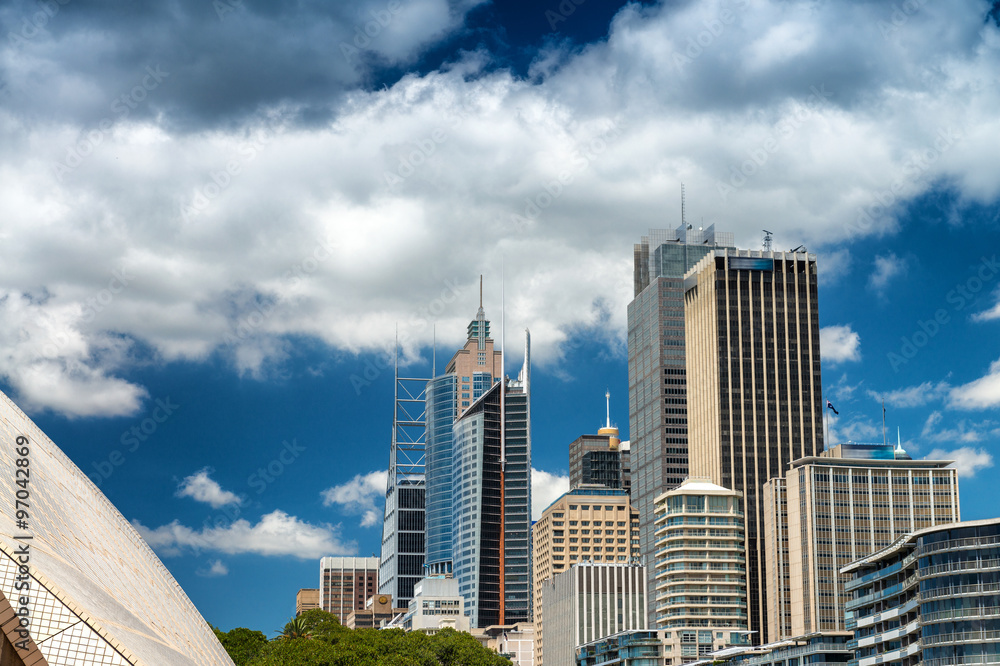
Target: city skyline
column 199, row 298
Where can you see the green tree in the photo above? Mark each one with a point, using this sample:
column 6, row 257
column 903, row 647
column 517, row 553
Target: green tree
column 241, row 643
column 295, row 628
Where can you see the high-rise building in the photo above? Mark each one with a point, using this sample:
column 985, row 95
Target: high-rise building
column 848, row 503
column 601, row 459
column 701, row 575
column 588, row 602
column 403, row 524
column 346, row 583
column 471, row 371
column 491, row 502
column 656, row 370
column 753, row 380
column 589, row 523
column 930, row 598
column 306, row 599
column 78, row 584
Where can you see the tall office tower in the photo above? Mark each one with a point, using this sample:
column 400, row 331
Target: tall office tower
column 701, row 574
column 403, row 546
column 754, row 390
column 848, row 503
column 345, row 583
column 589, row 523
column 601, row 458
column 491, row 502
column 470, row 372
column 930, row 598
column 591, row 601
column 656, row 371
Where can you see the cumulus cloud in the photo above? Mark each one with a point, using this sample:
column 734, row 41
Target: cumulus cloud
column 276, row 534
column 962, row 431
column 292, row 202
column 215, row 568
column 839, row 343
column 201, row 488
column 887, row 268
column 546, row 488
column 363, row 495
column 983, row 393
column 912, row 396
column 990, row 314
column 968, row 461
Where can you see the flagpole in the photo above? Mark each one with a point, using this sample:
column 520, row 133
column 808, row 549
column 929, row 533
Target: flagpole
column 826, row 428
column 883, row 422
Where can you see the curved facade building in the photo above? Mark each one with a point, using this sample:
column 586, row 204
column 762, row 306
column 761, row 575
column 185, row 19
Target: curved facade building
column 78, row 585
column 442, row 408
column 931, row 598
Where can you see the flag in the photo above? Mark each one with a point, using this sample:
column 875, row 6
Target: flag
column 829, row 405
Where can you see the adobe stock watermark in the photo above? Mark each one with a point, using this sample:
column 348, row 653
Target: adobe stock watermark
column 35, row 22
column 550, row 191
column 121, row 107
column 713, row 28
column 761, row 155
column 959, row 297
column 132, row 439
column 365, row 32
column 220, row 180
column 247, row 325
column 423, row 317
column 914, row 168
column 562, row 12
column 900, row 16
column 258, row 481
column 225, row 7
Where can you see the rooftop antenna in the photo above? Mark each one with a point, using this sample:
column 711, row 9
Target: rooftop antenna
column 683, row 216
column 607, row 398
column 434, row 350
column 767, row 239
column 480, row 291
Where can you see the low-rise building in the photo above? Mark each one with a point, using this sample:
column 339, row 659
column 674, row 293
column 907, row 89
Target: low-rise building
column 436, row 604
column 306, row 599
column 514, row 641
column 378, row 611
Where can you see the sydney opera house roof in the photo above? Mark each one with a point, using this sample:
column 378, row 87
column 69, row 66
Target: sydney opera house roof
column 96, row 594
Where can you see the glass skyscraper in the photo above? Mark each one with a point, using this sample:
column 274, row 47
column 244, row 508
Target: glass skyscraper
column 656, row 371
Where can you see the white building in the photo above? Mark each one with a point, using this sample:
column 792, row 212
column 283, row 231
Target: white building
column 436, row 604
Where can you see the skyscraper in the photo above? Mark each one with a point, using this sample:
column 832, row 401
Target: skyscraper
column 600, row 459
column 656, row 370
column 471, row 371
column 346, row 583
column 753, row 370
column 491, row 502
column 851, row 501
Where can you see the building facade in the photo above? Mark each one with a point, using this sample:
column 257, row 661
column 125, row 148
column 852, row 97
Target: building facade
column 346, row 583
column 306, row 599
column 589, row 523
column 629, row 648
column 853, row 500
column 601, row 459
column 79, row 586
column 491, row 502
column 514, row 641
column 436, row 605
column 656, row 368
column 753, row 380
column 930, row 598
column 378, row 611
column 588, row 602
column 701, row 576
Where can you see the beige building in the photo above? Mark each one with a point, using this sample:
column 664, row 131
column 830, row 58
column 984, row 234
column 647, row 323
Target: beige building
column 514, row 641
column 851, row 501
column 753, row 380
column 78, row 584
column 306, row 599
column 378, row 610
column 701, row 575
column 346, row 583
column 588, row 524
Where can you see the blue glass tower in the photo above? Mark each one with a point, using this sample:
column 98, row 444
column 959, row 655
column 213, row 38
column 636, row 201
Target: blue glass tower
column 442, row 409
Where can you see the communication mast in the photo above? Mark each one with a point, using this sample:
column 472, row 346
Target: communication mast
column 767, row 240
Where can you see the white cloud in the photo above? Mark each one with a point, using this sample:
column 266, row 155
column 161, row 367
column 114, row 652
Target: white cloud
column 887, row 268
column 201, row 488
column 968, row 460
column 363, row 495
column 215, row 568
column 991, row 314
column 546, row 488
column 310, row 239
column 839, row 343
column 983, row 393
column 961, row 432
column 913, row 396
column 277, row 534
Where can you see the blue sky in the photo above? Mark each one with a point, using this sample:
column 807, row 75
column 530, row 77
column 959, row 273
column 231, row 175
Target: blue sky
column 215, row 217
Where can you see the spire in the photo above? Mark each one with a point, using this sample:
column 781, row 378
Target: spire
column 899, row 453
column 607, row 398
